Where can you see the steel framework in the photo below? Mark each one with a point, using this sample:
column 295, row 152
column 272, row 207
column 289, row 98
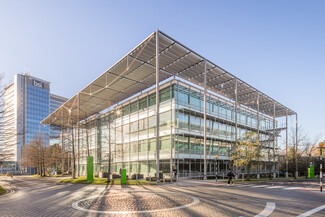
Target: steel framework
column 157, row 58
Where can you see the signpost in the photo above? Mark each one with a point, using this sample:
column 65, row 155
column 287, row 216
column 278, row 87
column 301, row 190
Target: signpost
column 216, row 168
column 311, row 172
column 321, row 146
column 90, row 168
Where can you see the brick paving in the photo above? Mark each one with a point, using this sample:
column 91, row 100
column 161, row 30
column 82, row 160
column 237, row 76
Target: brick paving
column 35, row 197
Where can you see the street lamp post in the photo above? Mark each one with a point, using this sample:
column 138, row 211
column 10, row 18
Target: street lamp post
column 216, row 168
column 321, row 146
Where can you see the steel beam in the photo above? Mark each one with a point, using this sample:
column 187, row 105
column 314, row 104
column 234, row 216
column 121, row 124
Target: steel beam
column 157, row 105
column 236, row 118
column 287, row 162
column 205, row 120
column 274, row 139
column 296, row 146
column 258, row 131
column 78, row 135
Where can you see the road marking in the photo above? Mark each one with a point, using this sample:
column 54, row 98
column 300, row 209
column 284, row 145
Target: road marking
column 269, row 208
column 277, row 186
column 76, row 206
column 260, row 186
column 292, row 188
column 310, row 212
column 241, row 186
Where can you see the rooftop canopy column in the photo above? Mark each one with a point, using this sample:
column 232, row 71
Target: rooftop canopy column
column 78, row 126
column 157, row 104
column 40, row 144
column 236, row 117
column 171, row 132
column 296, row 146
column 258, row 132
column 205, row 120
column 62, row 144
column 287, row 163
column 274, row 169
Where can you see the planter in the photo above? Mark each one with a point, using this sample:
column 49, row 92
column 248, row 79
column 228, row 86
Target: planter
column 103, row 175
column 140, row 176
column 115, row 176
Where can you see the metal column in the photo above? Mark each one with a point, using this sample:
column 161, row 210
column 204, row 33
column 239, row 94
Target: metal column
column 157, row 104
column 274, row 176
column 258, row 133
column 296, row 146
column 171, row 132
column 287, row 163
column 63, row 147
column 109, row 147
column 236, row 118
column 78, row 135
column 205, row 120
column 41, row 146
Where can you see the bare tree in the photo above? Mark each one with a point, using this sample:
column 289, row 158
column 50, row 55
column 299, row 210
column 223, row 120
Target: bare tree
column 33, row 155
column 296, row 145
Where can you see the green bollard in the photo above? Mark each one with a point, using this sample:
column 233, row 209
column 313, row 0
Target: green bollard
column 90, row 168
column 123, row 176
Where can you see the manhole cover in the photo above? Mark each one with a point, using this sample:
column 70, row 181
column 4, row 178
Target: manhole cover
column 135, row 202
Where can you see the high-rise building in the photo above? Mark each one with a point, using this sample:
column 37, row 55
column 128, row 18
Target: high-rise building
column 55, row 131
column 27, row 102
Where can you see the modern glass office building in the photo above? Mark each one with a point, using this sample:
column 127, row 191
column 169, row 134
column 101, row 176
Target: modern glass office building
column 27, row 103
column 197, row 111
column 55, row 131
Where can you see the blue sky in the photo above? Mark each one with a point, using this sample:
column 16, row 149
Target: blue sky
column 276, row 46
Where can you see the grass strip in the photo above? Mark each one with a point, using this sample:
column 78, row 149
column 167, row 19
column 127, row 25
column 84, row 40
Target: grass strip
column 2, row 191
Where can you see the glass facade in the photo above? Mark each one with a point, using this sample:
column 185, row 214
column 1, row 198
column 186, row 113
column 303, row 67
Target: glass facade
column 37, row 108
column 130, row 131
column 27, row 102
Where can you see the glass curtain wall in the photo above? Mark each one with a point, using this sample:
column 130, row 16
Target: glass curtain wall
column 129, row 130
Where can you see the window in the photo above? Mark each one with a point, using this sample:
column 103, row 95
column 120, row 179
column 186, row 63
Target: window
column 152, row 100
column 143, row 103
column 126, row 110
column 134, row 106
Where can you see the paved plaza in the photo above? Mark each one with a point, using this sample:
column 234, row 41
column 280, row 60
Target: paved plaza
column 45, row 197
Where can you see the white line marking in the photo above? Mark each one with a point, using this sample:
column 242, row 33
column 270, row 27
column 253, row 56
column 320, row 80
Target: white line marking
column 241, row 186
column 310, row 212
column 260, row 186
column 276, row 186
column 269, row 208
column 75, row 206
column 292, row 188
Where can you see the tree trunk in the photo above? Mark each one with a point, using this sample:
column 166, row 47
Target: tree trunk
column 110, row 151
column 73, row 157
column 248, row 171
column 87, row 140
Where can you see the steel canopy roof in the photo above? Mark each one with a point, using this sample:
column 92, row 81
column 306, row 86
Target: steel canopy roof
column 136, row 72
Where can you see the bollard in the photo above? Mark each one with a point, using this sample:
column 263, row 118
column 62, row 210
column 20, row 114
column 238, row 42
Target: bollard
column 243, row 176
column 164, row 179
column 150, row 179
column 223, row 175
